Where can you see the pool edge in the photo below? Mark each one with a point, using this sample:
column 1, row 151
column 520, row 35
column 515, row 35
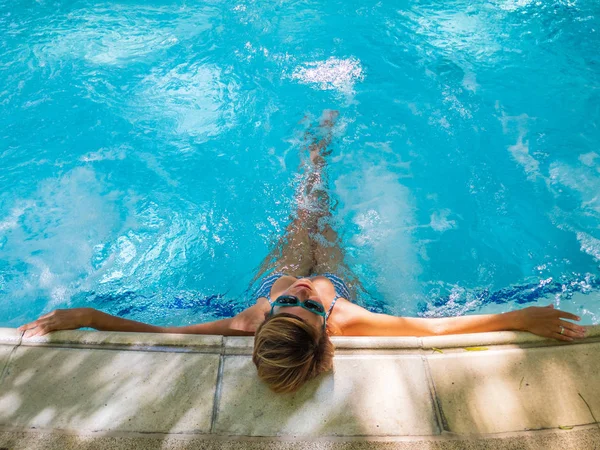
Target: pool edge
column 467, row 386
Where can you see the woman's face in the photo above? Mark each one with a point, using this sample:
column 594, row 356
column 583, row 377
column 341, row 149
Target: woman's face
column 304, row 290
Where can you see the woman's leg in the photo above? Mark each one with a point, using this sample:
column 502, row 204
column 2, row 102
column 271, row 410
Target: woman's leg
column 306, row 243
column 292, row 255
column 327, row 252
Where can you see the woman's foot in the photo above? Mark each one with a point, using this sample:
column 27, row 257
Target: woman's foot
column 320, row 149
column 328, row 118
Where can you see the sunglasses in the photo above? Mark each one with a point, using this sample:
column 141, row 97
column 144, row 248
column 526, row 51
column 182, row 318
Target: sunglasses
column 310, row 305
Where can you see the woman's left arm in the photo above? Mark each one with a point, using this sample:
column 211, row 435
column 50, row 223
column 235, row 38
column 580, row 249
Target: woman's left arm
column 543, row 321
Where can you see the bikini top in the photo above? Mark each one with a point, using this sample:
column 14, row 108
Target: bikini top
column 341, row 290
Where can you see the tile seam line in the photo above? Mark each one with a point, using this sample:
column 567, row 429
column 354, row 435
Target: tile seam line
column 218, row 389
column 439, row 418
column 10, row 358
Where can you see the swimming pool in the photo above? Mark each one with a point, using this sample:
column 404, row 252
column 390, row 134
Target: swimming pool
column 149, row 152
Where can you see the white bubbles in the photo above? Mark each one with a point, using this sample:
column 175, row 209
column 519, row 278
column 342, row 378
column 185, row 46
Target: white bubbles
column 332, row 74
column 520, row 153
column 11, row 222
column 589, row 159
column 460, row 301
column 382, row 210
column 105, row 40
column 455, row 32
column 440, row 222
column 589, row 245
column 469, row 82
column 126, row 249
column 520, row 150
column 119, row 35
column 582, row 179
column 107, row 154
column 193, row 99
column 55, row 234
column 514, row 5
column 114, row 275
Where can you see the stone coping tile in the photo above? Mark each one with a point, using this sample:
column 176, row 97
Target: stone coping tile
column 5, row 352
column 517, row 389
column 10, row 336
column 376, row 342
column 243, row 345
column 593, row 331
column 362, row 342
column 483, row 339
column 105, row 390
column 376, row 396
column 237, row 345
column 398, row 344
column 149, row 341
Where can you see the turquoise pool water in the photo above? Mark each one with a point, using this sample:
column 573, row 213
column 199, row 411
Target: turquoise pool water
column 149, row 151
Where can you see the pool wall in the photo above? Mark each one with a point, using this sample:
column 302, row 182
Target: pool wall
column 80, row 389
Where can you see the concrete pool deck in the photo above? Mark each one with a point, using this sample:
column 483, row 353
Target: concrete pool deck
column 90, row 389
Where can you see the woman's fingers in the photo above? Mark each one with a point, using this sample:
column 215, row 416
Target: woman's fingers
column 38, row 327
column 552, row 323
column 29, row 325
column 562, row 314
column 36, row 323
column 577, row 330
column 32, row 329
column 37, row 331
column 562, row 337
column 60, row 319
column 570, row 334
column 567, row 315
column 42, row 320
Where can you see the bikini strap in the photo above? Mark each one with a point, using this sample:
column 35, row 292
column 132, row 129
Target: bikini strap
column 332, row 305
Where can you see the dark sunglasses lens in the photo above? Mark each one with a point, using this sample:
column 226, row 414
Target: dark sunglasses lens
column 288, row 300
column 314, row 306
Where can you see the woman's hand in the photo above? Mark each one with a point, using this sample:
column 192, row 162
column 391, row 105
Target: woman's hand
column 547, row 321
column 60, row 319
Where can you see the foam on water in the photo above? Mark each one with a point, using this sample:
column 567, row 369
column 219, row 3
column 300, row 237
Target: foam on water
column 118, row 35
column 381, row 209
column 334, row 73
column 189, row 99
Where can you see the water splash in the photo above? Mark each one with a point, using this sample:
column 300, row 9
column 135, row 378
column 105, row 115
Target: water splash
column 333, row 74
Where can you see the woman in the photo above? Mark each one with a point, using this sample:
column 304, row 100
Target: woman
column 295, row 313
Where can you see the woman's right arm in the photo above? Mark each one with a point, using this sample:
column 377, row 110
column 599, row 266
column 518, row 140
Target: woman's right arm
column 72, row 319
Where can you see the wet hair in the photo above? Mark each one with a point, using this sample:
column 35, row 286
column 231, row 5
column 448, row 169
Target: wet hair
column 288, row 352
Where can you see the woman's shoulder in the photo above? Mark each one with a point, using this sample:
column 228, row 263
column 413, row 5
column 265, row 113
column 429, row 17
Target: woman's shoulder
column 346, row 314
column 250, row 318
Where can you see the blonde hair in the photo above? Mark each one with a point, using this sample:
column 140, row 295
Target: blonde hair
column 288, row 352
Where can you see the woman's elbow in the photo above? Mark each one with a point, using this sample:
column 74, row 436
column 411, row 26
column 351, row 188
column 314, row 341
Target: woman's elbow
column 436, row 327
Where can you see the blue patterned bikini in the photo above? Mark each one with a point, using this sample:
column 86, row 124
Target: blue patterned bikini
column 341, row 290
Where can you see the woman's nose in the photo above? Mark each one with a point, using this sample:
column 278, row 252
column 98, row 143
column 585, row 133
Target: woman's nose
column 303, row 293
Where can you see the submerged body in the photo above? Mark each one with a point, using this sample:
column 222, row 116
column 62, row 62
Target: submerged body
column 296, row 311
column 346, row 319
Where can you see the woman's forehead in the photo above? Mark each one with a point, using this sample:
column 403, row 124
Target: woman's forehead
column 299, row 312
